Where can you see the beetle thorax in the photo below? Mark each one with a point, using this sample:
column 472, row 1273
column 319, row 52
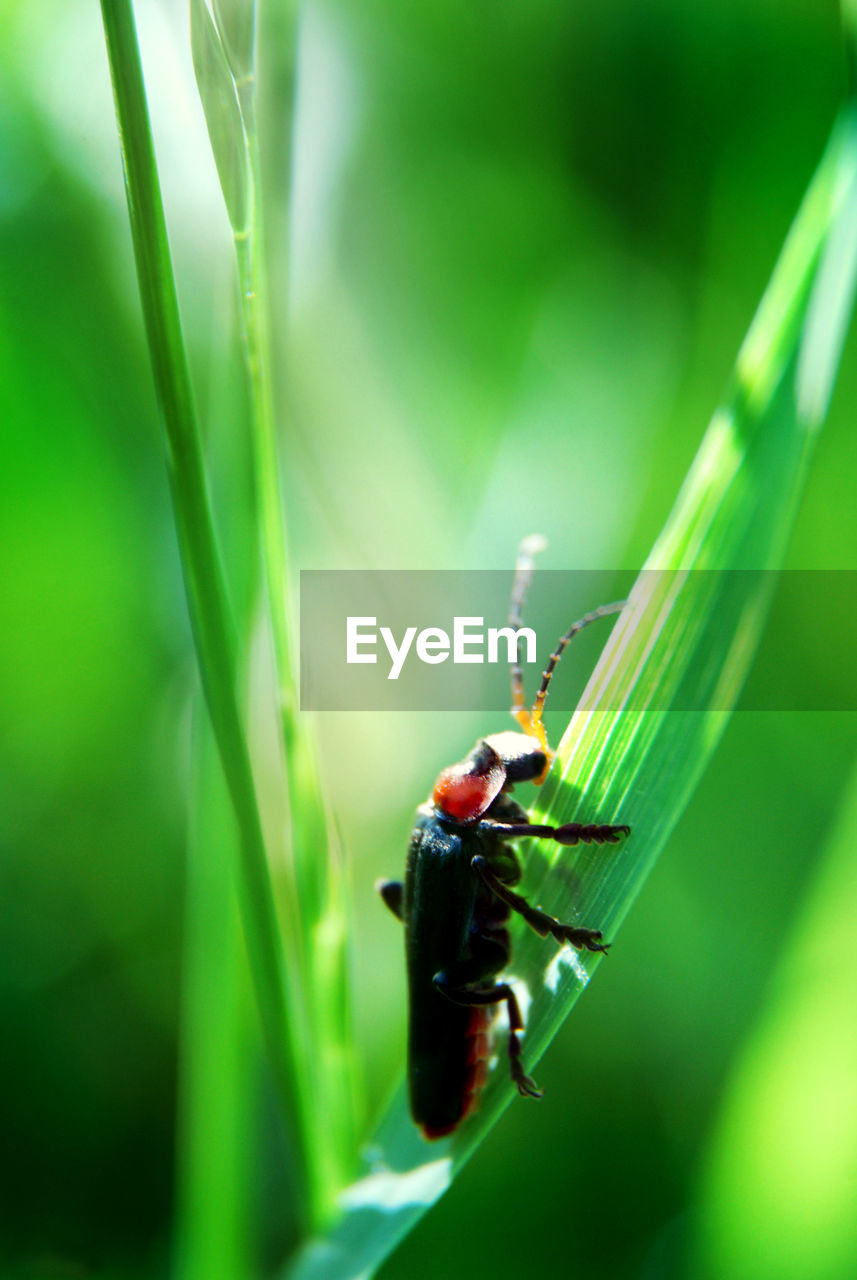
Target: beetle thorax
column 466, row 790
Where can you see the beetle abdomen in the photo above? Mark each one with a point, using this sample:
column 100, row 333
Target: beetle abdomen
column 446, row 1040
column 447, row 1083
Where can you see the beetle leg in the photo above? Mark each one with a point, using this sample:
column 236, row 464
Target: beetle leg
column 391, row 892
column 570, row 834
column 449, row 983
column 544, row 924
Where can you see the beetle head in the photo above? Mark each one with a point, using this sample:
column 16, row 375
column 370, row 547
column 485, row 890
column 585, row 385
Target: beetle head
column 524, row 757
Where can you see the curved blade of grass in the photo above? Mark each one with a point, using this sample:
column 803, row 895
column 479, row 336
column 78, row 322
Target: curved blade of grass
column 779, row 1190
column 236, row 23
column 222, row 112
column 314, row 888
column 206, row 593
column 686, row 638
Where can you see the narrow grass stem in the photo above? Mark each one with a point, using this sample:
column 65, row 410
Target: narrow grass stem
column 204, row 584
column 217, row 1050
column 316, row 892
column 254, row 311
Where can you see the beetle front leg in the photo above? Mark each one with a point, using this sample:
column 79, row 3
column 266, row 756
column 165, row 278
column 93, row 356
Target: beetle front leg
column 449, row 983
column 571, row 833
column 544, row 924
column 391, row 892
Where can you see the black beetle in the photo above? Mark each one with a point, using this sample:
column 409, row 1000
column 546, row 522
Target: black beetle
column 457, row 895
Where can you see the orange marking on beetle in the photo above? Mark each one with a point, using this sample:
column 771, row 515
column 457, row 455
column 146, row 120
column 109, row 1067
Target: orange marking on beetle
column 465, row 794
column 479, row 1049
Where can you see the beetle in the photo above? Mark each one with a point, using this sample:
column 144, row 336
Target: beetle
column 457, row 897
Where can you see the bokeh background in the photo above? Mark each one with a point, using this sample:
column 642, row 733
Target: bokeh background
column 522, row 247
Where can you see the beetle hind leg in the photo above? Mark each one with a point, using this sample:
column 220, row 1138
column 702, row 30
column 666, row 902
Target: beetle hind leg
column 453, row 984
column 526, row 1087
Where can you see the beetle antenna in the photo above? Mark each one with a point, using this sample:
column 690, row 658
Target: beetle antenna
column 533, row 723
column 524, row 564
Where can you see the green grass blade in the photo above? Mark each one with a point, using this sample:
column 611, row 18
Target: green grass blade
column 686, row 639
column 236, row 22
column 314, row 885
column 222, row 113
column 778, row 1196
column 206, row 594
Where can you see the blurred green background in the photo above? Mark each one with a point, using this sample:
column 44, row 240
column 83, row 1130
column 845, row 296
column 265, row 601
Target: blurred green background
column 525, row 242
